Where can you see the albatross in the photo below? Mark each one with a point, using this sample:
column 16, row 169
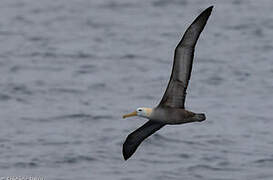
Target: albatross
column 171, row 109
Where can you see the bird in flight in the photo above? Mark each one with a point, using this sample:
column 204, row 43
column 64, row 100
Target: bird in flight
column 171, row 109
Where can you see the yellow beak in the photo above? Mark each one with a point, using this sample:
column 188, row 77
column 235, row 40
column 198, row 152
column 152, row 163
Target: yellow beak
column 130, row 114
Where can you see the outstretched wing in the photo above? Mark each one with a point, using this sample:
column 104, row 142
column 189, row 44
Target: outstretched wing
column 175, row 93
column 134, row 139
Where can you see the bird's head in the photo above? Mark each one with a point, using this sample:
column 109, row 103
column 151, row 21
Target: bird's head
column 141, row 112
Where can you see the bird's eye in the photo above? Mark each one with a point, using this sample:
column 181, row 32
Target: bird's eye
column 140, row 110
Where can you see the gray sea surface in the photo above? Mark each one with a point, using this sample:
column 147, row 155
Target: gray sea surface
column 70, row 69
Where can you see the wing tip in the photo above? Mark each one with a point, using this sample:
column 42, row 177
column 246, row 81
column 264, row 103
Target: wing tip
column 127, row 151
column 208, row 11
column 125, row 157
column 129, row 146
column 210, row 7
column 203, row 17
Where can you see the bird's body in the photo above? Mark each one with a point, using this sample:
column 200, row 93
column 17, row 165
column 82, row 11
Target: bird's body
column 173, row 116
column 171, row 108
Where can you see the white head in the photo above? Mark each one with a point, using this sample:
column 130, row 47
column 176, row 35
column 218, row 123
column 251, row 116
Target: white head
column 141, row 112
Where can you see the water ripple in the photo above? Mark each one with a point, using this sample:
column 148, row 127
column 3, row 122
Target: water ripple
column 25, row 165
column 75, row 159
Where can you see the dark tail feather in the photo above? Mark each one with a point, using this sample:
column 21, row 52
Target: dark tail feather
column 200, row 117
column 134, row 139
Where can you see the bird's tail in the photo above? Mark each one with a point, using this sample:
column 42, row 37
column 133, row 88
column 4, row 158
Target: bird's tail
column 200, row 117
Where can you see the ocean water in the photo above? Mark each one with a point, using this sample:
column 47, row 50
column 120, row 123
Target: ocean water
column 69, row 70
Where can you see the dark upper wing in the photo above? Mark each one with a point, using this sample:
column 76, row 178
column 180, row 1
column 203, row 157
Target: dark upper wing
column 134, row 139
column 175, row 93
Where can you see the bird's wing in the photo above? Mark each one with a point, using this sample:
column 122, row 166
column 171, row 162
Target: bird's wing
column 134, row 139
column 175, row 93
